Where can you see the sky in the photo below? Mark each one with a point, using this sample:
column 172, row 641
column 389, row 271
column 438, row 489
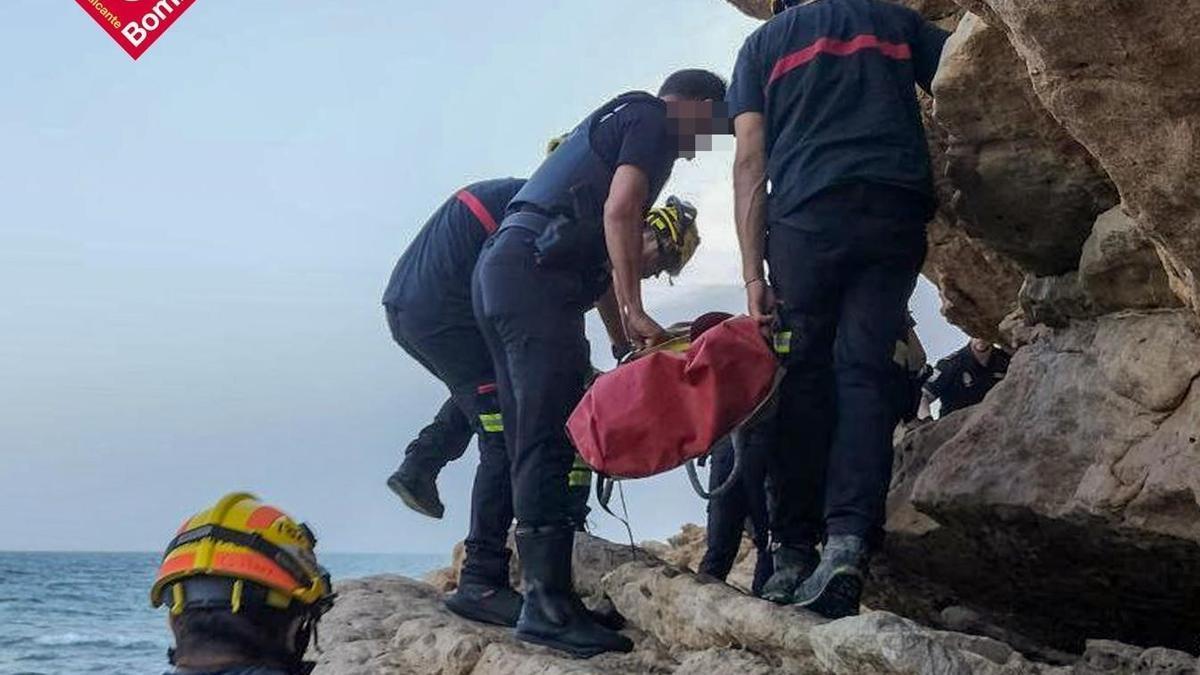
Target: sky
column 193, row 246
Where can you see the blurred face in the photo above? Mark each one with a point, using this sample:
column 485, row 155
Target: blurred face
column 980, row 346
column 694, row 123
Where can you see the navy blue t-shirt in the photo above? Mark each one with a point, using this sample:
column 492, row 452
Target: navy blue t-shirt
column 959, row 380
column 836, row 81
column 638, row 134
column 435, row 270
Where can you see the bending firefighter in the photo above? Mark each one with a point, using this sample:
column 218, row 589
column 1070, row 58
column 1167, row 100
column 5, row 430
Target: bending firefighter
column 429, row 312
column 574, row 234
column 244, row 590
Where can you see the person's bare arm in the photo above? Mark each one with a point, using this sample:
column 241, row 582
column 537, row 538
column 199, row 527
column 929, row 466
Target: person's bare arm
column 610, row 314
column 749, row 202
column 623, row 215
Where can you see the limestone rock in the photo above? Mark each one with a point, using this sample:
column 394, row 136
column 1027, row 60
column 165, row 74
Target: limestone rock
column 687, row 548
column 1104, row 657
column 1022, row 184
column 1123, row 79
column 978, row 286
column 1055, row 300
column 683, row 610
column 1120, row 267
column 712, row 661
column 759, row 9
column 681, row 624
column 396, row 626
column 879, row 642
column 1067, row 504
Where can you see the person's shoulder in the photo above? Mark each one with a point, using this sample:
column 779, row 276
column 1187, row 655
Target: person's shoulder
column 637, row 104
column 955, row 360
column 497, row 184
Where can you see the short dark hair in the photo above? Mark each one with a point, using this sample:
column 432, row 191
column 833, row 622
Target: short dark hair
column 694, row 84
column 256, row 637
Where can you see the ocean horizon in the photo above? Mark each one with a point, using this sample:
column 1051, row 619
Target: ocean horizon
column 89, row 612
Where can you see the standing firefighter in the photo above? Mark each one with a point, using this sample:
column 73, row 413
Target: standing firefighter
column 825, row 109
column 244, row 589
column 582, row 211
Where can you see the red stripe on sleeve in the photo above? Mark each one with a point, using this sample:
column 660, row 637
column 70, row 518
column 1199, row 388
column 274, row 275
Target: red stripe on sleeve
column 895, row 50
column 480, row 211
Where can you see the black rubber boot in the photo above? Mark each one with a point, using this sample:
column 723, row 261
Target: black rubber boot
column 553, row 615
column 793, row 564
column 835, row 588
column 487, row 603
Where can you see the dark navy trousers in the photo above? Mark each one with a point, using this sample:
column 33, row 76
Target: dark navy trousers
column 452, row 348
column 532, row 319
column 742, row 508
column 843, row 268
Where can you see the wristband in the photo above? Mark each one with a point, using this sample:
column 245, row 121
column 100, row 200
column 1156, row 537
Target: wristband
column 755, row 280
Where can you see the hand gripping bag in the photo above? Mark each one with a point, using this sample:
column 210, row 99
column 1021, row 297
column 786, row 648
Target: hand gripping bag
column 663, row 409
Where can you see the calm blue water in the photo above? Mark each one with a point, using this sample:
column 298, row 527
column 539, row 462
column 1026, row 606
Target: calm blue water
column 67, row 613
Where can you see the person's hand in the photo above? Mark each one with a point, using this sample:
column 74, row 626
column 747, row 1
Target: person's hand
column 642, row 330
column 760, row 304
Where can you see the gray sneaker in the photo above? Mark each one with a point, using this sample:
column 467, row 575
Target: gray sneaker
column 793, row 564
column 835, row 588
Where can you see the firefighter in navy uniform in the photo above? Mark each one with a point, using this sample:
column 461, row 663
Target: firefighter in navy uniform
column 966, row 376
column 825, row 111
column 429, row 312
column 574, row 230
column 428, row 302
column 428, row 308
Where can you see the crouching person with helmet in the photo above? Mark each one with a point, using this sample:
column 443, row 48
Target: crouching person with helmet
column 244, row 590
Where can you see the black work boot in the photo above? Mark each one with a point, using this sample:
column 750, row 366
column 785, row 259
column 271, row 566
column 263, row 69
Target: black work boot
column 835, row 588
column 553, row 615
column 479, row 600
column 442, row 441
column 416, row 485
column 793, row 564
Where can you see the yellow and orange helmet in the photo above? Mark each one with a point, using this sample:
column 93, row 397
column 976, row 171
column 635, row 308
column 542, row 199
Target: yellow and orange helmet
column 263, row 554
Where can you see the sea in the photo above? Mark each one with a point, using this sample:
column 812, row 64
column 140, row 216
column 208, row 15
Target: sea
column 71, row 613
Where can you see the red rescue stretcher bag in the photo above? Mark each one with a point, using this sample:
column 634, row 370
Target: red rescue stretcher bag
column 674, row 403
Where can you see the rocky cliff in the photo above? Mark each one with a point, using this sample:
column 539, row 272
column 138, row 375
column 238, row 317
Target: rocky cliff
column 681, row 624
column 1065, row 508
column 1067, row 505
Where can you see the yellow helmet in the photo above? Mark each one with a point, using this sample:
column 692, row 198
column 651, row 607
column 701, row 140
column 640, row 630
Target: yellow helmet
column 553, row 144
column 674, row 225
column 268, row 557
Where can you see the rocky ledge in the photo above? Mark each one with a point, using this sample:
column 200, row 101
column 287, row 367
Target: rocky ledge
column 681, row 623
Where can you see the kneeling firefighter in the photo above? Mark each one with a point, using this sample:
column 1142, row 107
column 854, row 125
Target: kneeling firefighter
column 244, row 589
column 574, row 231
